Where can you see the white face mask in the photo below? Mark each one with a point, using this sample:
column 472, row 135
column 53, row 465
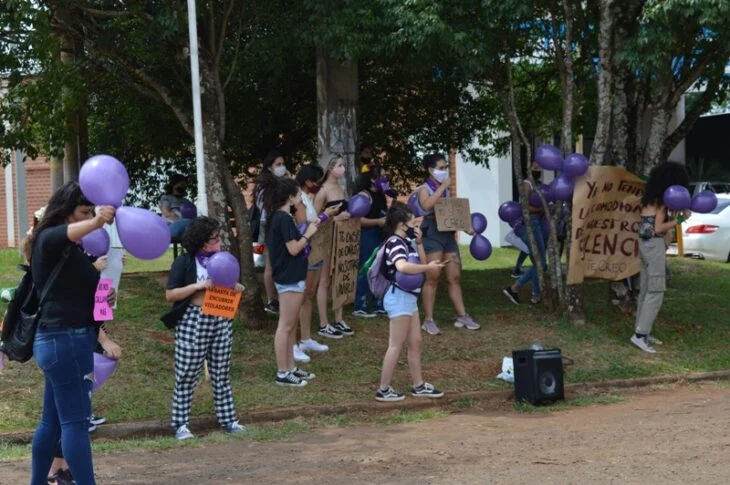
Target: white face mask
column 280, row 171
column 440, row 175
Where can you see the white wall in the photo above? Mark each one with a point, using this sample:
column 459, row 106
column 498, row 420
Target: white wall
column 486, row 188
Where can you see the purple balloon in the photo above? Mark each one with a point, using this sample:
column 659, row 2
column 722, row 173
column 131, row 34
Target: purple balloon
column 302, row 227
column 410, row 282
column 549, row 157
column 478, row 222
column 562, row 187
column 96, row 242
column 704, row 202
column 359, row 206
column 480, row 247
column 575, row 165
column 104, row 180
column 223, row 269
column 188, row 210
column 510, row 211
column 677, row 198
column 103, row 368
column 516, row 224
column 143, row 233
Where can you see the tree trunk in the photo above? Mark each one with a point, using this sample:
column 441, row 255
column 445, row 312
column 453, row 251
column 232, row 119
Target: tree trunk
column 337, row 97
column 655, row 140
column 605, row 83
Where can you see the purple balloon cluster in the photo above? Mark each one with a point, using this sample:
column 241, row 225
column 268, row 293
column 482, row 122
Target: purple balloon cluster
column 678, row 198
column 480, row 246
column 549, row 157
column 104, row 181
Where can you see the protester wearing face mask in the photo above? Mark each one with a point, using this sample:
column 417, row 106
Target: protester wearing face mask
column 440, row 246
column 537, row 175
column 331, row 194
column 372, row 183
column 171, row 203
column 274, row 167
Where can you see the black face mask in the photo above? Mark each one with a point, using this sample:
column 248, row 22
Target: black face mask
column 411, row 233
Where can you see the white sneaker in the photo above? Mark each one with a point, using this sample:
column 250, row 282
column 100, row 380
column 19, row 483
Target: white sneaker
column 312, row 345
column 642, row 343
column 300, row 356
column 183, row 433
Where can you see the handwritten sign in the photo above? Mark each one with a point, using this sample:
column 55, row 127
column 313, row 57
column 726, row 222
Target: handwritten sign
column 113, row 271
column 346, row 262
column 321, row 242
column 102, row 311
column 606, row 213
column 221, row 302
column 453, row 214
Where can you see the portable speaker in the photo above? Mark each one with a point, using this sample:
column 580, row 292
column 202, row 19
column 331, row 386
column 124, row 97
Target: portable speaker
column 538, row 375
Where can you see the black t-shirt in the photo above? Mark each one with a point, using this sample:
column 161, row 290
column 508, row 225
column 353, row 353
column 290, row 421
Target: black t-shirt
column 70, row 301
column 379, row 207
column 287, row 269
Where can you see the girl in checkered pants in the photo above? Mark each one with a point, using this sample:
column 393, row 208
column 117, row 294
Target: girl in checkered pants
column 198, row 335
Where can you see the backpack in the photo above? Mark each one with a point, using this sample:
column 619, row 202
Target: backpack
column 21, row 318
column 254, row 221
column 377, row 281
column 414, row 203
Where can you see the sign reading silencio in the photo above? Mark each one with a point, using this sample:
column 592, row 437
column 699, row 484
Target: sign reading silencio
column 346, row 262
column 221, row 302
column 453, row 214
column 606, row 213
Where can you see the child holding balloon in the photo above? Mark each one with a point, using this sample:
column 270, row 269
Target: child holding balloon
column 287, row 251
column 402, row 304
column 198, row 335
column 655, row 222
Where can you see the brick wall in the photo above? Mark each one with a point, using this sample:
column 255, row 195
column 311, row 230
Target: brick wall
column 37, row 189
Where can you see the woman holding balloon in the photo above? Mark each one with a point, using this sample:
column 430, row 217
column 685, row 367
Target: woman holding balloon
column 198, row 335
column 665, row 196
column 440, row 246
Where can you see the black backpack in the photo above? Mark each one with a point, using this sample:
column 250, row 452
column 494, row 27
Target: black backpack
column 254, row 221
column 21, row 318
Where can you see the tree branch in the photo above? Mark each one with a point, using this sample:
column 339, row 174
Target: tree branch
column 222, row 37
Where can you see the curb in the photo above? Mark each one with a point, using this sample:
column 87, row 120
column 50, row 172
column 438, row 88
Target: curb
column 203, row 424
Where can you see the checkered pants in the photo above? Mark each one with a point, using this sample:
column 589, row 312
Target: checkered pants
column 197, row 337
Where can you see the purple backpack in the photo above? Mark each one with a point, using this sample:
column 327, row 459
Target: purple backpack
column 377, row 281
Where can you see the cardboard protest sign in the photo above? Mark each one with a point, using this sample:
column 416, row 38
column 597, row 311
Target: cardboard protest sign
column 321, row 242
column 453, row 214
column 346, row 262
column 221, row 302
column 102, row 311
column 606, row 213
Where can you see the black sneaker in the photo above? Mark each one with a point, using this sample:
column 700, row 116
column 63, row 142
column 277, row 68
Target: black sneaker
column 388, row 395
column 329, row 332
column 272, row 307
column 290, row 380
column 426, row 390
column 516, row 274
column 303, row 375
column 61, row 477
column 514, row 298
column 344, row 329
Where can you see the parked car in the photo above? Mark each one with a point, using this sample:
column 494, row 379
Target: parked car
column 707, row 236
column 259, row 261
column 721, row 189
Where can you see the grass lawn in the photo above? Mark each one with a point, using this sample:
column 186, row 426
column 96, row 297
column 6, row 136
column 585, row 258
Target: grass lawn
column 693, row 325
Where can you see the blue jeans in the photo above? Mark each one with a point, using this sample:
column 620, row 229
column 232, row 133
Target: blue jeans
column 177, row 228
column 65, row 355
column 531, row 273
column 370, row 238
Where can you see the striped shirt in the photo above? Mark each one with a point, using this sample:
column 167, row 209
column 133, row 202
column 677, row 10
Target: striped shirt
column 397, row 248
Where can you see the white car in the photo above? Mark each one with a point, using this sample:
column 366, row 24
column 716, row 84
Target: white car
column 707, row 236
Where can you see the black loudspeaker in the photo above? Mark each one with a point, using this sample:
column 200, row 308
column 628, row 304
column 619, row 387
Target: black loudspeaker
column 538, row 375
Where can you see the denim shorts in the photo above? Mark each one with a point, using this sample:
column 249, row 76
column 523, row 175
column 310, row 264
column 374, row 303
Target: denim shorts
column 399, row 303
column 435, row 241
column 291, row 288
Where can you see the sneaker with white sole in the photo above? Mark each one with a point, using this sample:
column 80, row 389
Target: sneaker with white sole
column 329, row 332
column 344, row 328
column 300, row 356
column 654, row 341
column 234, row 427
column 312, row 345
column 466, row 322
column 97, row 420
column 513, row 297
column 430, row 327
column 363, row 314
column 183, row 433
column 388, row 395
column 380, row 312
column 642, row 343
column 290, row 380
column 426, row 390
column 303, row 375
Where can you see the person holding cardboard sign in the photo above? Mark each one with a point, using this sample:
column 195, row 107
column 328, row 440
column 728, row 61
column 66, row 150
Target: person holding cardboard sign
column 198, row 335
column 440, row 246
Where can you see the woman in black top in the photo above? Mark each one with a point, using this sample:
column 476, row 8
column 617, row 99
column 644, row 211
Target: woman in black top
column 65, row 338
column 289, row 267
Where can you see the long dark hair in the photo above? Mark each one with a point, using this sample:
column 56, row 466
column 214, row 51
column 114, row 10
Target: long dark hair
column 174, row 179
column 277, row 193
column 198, row 232
column 397, row 214
column 660, row 178
column 61, row 205
column 266, row 178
